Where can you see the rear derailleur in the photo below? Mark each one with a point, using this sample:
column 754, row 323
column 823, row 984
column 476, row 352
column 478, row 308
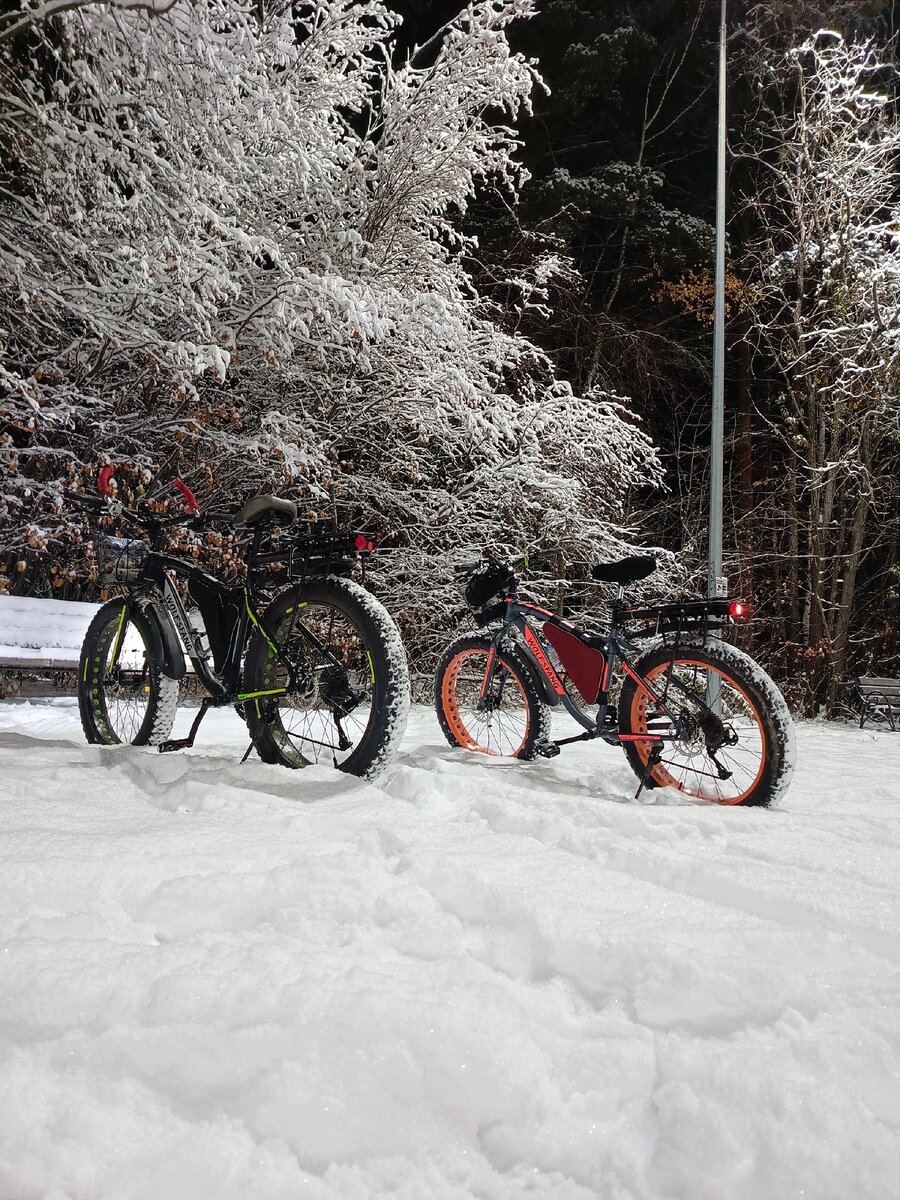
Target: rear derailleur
column 717, row 735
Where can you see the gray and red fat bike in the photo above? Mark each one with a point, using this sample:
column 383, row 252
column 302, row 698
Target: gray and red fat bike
column 690, row 711
column 309, row 658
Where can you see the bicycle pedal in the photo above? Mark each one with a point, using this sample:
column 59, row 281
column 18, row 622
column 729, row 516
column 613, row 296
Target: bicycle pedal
column 546, row 749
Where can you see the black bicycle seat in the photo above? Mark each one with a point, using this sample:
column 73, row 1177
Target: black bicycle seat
column 626, row 570
column 266, row 508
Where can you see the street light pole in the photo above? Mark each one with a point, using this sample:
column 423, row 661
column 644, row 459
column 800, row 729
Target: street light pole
column 716, row 583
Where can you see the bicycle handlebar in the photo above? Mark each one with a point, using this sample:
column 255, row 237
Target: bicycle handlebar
column 85, row 501
column 106, row 500
column 535, row 557
column 133, row 515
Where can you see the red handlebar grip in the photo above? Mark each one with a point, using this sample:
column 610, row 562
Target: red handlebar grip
column 105, row 475
column 188, row 495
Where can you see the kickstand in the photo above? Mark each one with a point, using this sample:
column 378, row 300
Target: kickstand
column 183, row 743
column 653, row 759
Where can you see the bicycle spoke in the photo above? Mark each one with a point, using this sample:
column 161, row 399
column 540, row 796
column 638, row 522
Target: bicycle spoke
column 124, row 666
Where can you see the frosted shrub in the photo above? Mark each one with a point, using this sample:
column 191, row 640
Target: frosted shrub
column 235, row 233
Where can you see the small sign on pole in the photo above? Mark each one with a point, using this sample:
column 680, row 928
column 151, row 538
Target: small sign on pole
column 721, row 587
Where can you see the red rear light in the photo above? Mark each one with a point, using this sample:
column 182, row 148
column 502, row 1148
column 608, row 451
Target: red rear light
column 738, row 610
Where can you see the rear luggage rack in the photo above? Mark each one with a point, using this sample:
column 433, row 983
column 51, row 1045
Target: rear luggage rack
column 316, row 554
column 684, row 616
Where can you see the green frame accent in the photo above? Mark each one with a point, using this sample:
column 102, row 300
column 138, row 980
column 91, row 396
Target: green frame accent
column 253, row 617
column 118, row 645
column 265, row 692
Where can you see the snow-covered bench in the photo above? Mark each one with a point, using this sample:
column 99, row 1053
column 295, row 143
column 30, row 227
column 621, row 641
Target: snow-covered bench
column 41, row 638
column 42, row 633
column 879, row 701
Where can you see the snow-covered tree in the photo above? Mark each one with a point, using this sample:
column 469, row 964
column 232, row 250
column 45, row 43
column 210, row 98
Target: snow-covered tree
column 233, row 230
column 825, row 285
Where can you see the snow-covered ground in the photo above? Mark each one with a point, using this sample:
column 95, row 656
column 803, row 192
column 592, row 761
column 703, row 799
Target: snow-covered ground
column 476, row 979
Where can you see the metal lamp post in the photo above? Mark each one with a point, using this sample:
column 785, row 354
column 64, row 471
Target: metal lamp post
column 717, row 585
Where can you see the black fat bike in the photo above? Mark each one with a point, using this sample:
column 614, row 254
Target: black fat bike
column 317, row 669
column 690, row 711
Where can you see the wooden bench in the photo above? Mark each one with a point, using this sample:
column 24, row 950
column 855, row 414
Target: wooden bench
column 879, row 701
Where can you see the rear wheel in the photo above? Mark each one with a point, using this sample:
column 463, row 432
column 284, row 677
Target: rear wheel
column 510, row 719
column 351, row 699
column 742, row 753
column 123, row 696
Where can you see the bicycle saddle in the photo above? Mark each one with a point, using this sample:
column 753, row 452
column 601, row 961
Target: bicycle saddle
column 266, row 508
column 626, row 570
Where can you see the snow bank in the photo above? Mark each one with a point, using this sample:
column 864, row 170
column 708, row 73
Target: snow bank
column 477, row 979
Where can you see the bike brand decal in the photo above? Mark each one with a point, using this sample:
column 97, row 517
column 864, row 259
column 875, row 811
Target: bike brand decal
column 535, row 646
column 178, row 615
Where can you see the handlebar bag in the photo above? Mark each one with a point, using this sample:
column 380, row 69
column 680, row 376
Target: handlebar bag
column 487, row 582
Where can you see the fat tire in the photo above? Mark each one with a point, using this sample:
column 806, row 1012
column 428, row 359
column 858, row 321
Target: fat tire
column 761, row 690
column 539, row 713
column 162, row 697
column 390, row 691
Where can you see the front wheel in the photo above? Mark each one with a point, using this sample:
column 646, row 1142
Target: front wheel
column 506, row 716
column 737, row 750
column 123, row 695
column 350, row 701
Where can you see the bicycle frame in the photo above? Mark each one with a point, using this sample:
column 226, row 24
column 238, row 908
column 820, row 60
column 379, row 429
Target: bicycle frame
column 614, row 648
column 160, row 572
